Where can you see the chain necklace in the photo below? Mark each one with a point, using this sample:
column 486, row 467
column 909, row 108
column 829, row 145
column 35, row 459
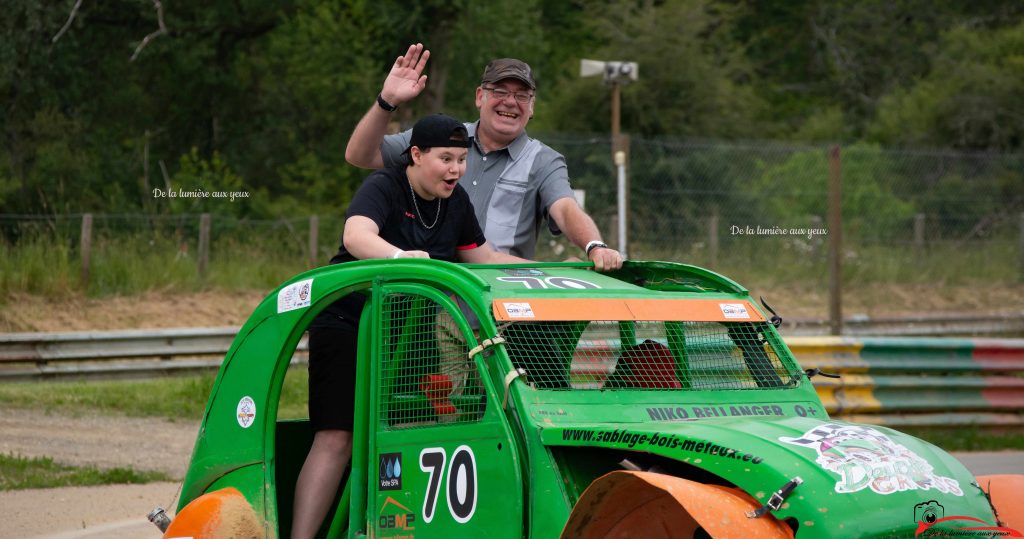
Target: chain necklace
column 419, row 214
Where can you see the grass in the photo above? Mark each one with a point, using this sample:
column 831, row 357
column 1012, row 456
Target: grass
column 122, row 264
column 173, row 398
column 129, row 258
column 17, row 472
column 771, row 262
column 970, row 438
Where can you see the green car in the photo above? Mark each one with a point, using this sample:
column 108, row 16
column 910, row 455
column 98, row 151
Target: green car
column 536, row 401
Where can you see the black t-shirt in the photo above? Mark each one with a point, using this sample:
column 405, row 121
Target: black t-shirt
column 386, row 198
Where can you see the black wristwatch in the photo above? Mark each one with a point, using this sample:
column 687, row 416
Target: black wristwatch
column 594, row 245
column 385, row 105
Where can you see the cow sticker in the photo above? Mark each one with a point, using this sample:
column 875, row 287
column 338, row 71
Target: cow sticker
column 246, row 412
column 295, row 296
column 865, row 458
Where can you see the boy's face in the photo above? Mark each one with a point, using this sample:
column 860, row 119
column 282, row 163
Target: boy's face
column 441, row 167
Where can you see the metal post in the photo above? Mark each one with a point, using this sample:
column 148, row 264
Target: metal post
column 713, row 236
column 204, row 244
column 835, row 225
column 616, row 91
column 1021, row 249
column 620, row 164
column 85, row 248
column 919, row 233
column 314, row 232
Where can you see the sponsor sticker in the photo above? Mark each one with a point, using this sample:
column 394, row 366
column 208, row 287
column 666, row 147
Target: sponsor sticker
column 390, row 471
column 518, row 310
column 246, row 412
column 295, row 296
column 395, row 517
column 734, row 310
column 864, row 458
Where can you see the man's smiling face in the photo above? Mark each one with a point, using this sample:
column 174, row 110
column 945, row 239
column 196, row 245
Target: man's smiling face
column 502, row 120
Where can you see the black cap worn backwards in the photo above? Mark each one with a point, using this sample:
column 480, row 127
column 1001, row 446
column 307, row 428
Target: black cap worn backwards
column 438, row 131
column 509, row 68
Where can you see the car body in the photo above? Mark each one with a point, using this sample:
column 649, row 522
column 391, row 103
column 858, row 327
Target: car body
column 533, row 401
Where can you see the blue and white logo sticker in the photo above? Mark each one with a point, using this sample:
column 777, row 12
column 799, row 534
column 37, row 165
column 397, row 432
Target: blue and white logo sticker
column 734, row 310
column 519, row 310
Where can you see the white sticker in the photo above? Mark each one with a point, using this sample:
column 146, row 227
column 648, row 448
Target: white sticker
column 519, row 310
column 865, row 458
column 246, row 412
column 734, row 310
column 295, row 296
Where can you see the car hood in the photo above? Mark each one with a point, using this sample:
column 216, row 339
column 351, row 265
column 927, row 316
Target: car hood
column 861, row 479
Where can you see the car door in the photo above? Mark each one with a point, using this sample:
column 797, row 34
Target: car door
column 446, row 462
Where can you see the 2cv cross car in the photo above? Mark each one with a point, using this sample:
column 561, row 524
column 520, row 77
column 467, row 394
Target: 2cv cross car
column 536, row 401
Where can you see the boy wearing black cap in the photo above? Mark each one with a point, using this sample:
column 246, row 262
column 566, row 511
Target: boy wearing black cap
column 413, row 211
column 516, row 183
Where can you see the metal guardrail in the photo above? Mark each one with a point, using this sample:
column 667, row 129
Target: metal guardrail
column 885, row 380
column 944, row 325
column 126, row 353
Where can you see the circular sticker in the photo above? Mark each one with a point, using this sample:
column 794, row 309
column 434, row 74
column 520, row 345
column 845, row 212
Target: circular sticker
column 246, row 412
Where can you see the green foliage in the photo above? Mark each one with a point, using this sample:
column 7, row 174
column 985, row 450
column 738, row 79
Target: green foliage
column 870, row 208
column 970, row 100
column 262, row 94
column 691, row 77
column 17, row 473
column 205, row 185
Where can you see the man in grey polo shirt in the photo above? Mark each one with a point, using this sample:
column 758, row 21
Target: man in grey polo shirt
column 515, row 182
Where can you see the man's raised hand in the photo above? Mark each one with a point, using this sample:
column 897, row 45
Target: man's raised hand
column 406, row 79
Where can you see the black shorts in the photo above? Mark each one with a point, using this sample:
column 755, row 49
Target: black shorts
column 332, row 377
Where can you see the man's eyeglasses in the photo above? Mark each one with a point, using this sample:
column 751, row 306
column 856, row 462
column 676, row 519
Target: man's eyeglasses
column 500, row 94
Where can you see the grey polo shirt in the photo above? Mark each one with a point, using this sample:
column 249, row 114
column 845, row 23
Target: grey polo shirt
column 512, row 189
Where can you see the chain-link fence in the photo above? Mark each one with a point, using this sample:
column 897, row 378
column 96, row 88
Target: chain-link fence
column 759, row 210
column 756, row 212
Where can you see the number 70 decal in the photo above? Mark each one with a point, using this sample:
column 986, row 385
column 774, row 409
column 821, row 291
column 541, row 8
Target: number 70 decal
column 461, row 482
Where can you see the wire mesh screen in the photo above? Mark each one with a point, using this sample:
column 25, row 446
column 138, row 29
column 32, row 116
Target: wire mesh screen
column 426, row 376
column 647, row 355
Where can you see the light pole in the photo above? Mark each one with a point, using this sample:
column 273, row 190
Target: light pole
column 616, row 74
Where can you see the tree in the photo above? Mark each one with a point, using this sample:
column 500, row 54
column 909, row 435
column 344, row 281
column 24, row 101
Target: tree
column 692, row 77
column 970, row 100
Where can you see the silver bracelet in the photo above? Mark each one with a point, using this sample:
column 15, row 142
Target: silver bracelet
column 594, row 245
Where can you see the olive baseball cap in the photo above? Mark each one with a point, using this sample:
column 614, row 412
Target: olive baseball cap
column 438, row 131
column 509, row 68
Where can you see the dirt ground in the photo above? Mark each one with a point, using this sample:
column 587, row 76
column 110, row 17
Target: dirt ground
column 112, row 511
column 169, row 309
column 162, row 309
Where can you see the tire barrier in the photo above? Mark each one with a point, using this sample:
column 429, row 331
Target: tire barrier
column 924, row 382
